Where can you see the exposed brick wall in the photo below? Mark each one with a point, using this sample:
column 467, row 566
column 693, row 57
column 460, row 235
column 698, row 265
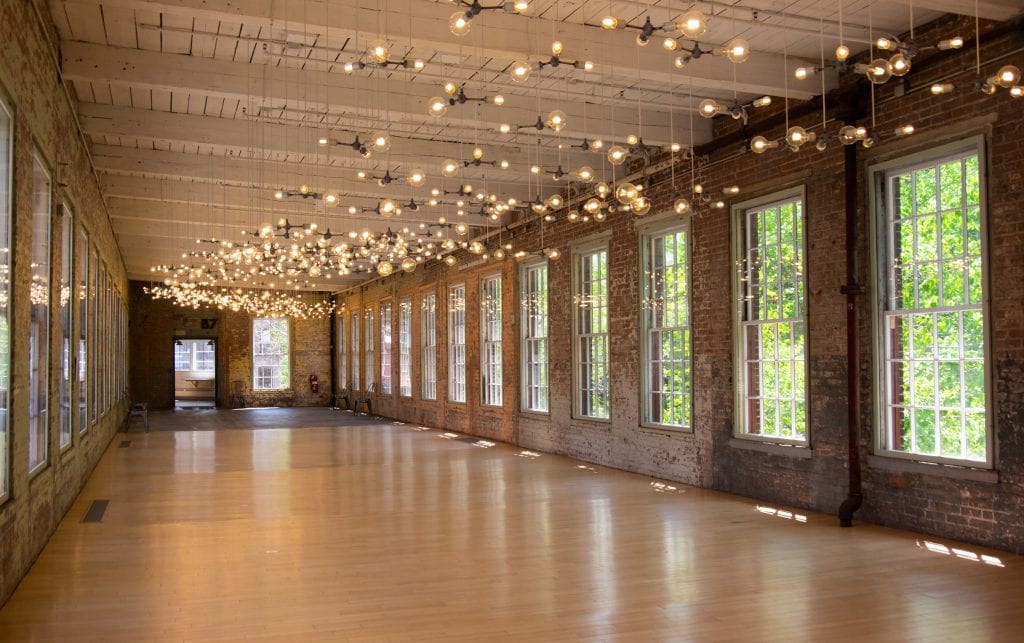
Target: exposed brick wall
column 938, row 503
column 43, row 122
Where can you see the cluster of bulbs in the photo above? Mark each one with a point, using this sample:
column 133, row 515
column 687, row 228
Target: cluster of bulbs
column 379, row 54
column 460, row 21
column 1008, row 77
column 259, row 303
column 691, row 25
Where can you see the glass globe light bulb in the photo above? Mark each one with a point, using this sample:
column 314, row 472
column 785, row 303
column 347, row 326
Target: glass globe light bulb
column 408, row 264
column 450, row 88
column 387, row 207
column 381, row 141
column 416, row 178
column 585, row 174
column 520, row 71
column 1008, row 76
column 458, row 24
column 797, row 136
column 592, row 205
column 449, row 168
column 642, row 40
column 498, row 100
column 478, row 153
column 602, row 189
column 900, row 65
column 708, row 108
column 760, row 144
column 640, row 206
column 626, row 193
column 554, row 201
column 596, row 145
column 556, row 48
column 437, row 106
column 842, row 53
column 879, row 71
column 450, row 260
column 680, row 61
column 669, row 44
column 693, row 24
column 609, row 22
column 681, row 206
column 556, row 120
column 738, row 50
column 632, row 139
column 617, row 155
column 377, row 51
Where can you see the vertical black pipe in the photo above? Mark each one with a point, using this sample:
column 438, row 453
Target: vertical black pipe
column 852, row 290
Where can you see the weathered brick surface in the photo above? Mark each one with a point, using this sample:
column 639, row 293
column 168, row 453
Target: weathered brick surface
column 43, row 122
column 936, row 503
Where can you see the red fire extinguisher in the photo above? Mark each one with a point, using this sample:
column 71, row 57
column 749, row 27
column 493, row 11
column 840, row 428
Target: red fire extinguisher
column 314, row 385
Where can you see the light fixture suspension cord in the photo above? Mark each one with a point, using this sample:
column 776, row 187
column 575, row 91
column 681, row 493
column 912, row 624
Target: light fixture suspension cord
column 824, row 108
column 977, row 38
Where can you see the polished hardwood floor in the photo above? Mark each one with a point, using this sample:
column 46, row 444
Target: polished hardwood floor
column 310, row 524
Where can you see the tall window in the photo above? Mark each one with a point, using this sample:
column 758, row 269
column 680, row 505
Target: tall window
column 270, row 351
column 490, row 340
column 67, row 228
column 6, row 183
column 590, row 299
column 428, row 342
column 772, row 346
column 932, row 311
column 666, row 328
column 94, row 317
column 342, row 355
column 39, row 340
column 354, row 331
column 457, row 343
column 385, row 348
column 371, row 350
column 405, row 348
column 535, row 337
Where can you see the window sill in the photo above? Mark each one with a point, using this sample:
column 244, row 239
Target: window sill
column 664, row 430
column 598, row 424
column 775, row 448
column 956, row 472
column 535, row 415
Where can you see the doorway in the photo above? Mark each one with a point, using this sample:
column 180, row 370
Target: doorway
column 195, row 373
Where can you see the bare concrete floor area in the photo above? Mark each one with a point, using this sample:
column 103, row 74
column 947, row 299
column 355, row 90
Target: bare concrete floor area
column 310, row 524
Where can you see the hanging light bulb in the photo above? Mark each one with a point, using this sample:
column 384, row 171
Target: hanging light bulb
column 449, row 168
column 738, row 50
column 693, row 24
column 556, row 48
column 669, row 44
column 592, row 205
column 602, row 189
column 879, row 71
column 552, row 253
column 1017, row 91
column 520, row 6
column 941, row 88
column 585, row 174
column 279, row 195
column 764, row 101
column 450, row 88
column 681, row 205
column 377, row 51
column 1008, row 76
column 408, row 264
column 760, row 144
column 437, row 106
column 458, row 24
column 520, row 71
column 680, row 61
column 416, row 178
column 956, row 42
column 842, row 52
column 556, row 120
column 797, row 136
column 380, row 141
column 626, row 193
column 632, row 139
column 384, row 268
column 387, row 208
column 503, row 164
column 642, row 40
column 609, row 22
column 555, row 201
column 848, row 135
column 330, row 199
column 348, row 67
column 904, row 130
column 596, row 145
column 478, row 153
column 450, row 260
column 617, row 155
column 803, row 73
column 640, row 206
column 708, row 108
column 477, row 248
column 498, row 100
column 418, row 65
column 900, row 65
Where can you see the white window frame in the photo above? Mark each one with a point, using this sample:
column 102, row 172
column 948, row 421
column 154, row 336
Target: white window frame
column 405, row 347
column 741, row 323
column 650, row 303
column 578, row 303
column 7, row 217
column 342, row 353
column 355, row 323
column 880, row 176
column 491, row 358
column 369, row 337
column 534, row 339
column 457, row 343
column 428, row 344
column 256, row 373
column 386, row 332
column 39, row 380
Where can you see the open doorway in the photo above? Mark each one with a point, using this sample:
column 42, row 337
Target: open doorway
column 195, row 373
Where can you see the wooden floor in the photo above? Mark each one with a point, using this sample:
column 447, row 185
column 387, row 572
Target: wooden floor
column 309, row 524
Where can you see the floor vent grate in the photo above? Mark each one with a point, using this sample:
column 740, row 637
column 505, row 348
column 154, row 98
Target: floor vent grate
column 96, row 511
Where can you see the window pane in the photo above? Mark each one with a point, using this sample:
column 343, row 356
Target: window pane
column 356, row 347
column 39, row 340
column 667, row 346
column 385, row 348
column 535, row 337
column 6, row 182
column 83, row 330
column 270, row 354
column 371, row 349
column 405, row 348
column 490, row 341
column 428, row 341
column 457, row 343
column 772, row 329
column 591, row 303
column 342, row 355
column 934, row 344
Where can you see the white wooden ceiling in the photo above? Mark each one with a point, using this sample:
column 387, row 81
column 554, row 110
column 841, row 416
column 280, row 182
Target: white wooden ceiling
column 198, row 110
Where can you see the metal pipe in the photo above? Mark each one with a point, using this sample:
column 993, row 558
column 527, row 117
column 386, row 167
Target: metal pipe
column 853, row 289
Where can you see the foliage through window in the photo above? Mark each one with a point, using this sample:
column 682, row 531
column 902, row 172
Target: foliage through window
column 773, row 326
column 405, row 348
column 933, row 314
column 535, row 337
column 6, row 184
column 490, row 340
column 590, row 299
column 270, row 354
column 385, row 348
column 371, row 348
column 666, row 312
column 457, row 343
column 428, row 344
